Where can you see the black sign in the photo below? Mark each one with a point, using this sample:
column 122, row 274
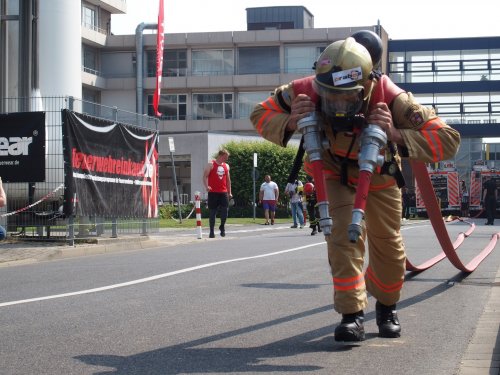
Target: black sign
column 111, row 169
column 22, row 147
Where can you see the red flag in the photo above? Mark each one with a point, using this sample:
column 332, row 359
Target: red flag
column 160, row 40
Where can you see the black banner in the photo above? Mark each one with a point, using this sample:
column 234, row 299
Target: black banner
column 22, row 147
column 111, row 169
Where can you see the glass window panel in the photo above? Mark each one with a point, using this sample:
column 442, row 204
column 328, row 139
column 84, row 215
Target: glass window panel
column 208, row 106
column 90, row 59
column 397, row 77
column 447, row 108
column 228, row 110
column 455, row 76
column 420, row 66
column 494, row 53
column 476, row 97
column 412, row 56
column 478, row 75
column 447, row 65
column 212, row 62
column 447, row 55
column 248, row 100
column 495, row 70
column 89, row 17
column 475, row 64
column 174, row 63
column 171, row 106
column 416, row 77
column 396, row 57
column 495, row 96
column 424, row 99
column 448, row 98
column 258, row 60
column 300, row 59
column 475, row 54
column 476, row 107
column 396, row 67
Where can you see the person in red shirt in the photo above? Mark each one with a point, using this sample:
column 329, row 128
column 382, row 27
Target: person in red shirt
column 217, row 181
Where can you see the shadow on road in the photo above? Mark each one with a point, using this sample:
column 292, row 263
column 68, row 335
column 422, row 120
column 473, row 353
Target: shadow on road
column 189, row 357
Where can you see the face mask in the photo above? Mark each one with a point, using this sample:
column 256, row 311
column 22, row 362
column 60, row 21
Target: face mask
column 342, row 104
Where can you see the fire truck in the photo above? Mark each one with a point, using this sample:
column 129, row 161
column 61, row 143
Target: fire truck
column 446, row 183
column 479, row 174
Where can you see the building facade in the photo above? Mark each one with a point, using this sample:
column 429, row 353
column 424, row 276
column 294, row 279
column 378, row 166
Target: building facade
column 212, row 80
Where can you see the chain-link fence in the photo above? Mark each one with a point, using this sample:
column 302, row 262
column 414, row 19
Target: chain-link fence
column 34, row 209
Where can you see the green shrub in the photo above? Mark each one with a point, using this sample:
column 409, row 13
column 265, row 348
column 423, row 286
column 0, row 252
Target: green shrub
column 272, row 159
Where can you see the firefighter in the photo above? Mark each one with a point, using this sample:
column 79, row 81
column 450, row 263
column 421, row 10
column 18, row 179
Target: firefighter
column 346, row 90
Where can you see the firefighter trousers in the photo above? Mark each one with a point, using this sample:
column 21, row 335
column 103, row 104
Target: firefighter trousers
column 384, row 274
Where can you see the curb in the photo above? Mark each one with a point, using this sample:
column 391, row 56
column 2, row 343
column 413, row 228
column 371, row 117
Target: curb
column 36, row 252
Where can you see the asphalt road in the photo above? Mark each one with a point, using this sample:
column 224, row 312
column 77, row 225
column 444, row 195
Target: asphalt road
column 257, row 301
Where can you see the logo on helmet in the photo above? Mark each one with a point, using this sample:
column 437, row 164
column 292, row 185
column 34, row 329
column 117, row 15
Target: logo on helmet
column 347, row 76
column 325, row 62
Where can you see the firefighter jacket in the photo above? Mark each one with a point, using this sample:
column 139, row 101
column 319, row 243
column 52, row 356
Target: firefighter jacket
column 427, row 138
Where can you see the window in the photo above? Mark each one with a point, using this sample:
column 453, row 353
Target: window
column 89, row 19
column 213, row 62
column 300, row 59
column 90, row 61
column 171, row 106
column 174, row 63
column 248, row 100
column 215, row 105
column 90, row 102
column 258, row 60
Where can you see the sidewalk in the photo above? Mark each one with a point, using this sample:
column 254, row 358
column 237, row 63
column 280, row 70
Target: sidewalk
column 16, row 252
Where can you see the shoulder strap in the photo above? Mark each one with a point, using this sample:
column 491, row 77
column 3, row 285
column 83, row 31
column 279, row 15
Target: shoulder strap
column 304, row 86
column 384, row 91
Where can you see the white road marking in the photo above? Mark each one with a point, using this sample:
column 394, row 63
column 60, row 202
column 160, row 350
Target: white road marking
column 155, row 277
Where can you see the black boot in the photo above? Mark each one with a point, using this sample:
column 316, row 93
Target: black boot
column 222, row 230
column 387, row 321
column 351, row 327
column 314, row 231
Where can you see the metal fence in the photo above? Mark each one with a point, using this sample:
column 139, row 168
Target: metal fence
column 34, row 210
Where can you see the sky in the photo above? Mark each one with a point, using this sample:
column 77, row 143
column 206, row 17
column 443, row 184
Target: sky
column 402, row 20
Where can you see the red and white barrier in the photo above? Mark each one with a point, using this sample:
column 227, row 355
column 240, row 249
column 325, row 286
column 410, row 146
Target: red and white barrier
column 197, row 201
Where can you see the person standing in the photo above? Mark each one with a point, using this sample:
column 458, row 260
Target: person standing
column 3, row 202
column 294, row 191
column 464, row 200
column 405, row 200
column 490, row 197
column 347, row 93
column 217, row 181
column 268, row 197
column 311, row 200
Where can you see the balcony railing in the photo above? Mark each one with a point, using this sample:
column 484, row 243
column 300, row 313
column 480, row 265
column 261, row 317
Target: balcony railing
column 95, row 28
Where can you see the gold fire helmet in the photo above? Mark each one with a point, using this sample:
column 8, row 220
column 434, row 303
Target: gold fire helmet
column 344, row 65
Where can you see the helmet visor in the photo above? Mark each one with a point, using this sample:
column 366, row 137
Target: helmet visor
column 335, row 103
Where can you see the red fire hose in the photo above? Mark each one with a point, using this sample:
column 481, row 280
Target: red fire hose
column 437, row 222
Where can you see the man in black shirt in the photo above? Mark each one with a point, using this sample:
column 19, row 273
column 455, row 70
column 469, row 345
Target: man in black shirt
column 490, row 196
